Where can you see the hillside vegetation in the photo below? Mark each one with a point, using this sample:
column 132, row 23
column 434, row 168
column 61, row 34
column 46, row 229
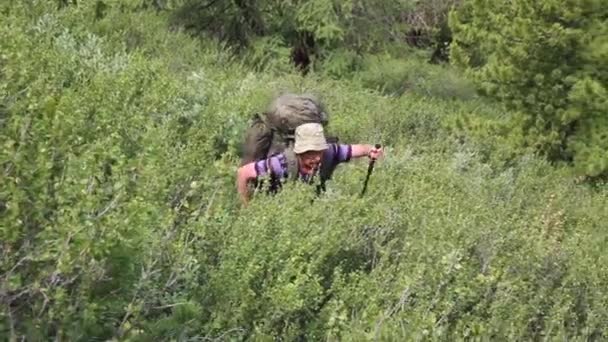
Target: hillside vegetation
column 119, row 219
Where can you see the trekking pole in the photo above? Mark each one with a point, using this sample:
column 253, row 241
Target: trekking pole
column 370, row 168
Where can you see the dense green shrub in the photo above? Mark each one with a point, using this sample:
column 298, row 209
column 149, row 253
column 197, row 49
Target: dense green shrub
column 411, row 75
column 316, row 30
column 94, row 183
column 547, row 60
column 328, row 22
column 119, row 219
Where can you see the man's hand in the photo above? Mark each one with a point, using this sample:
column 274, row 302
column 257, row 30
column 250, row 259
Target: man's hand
column 371, row 151
column 375, row 152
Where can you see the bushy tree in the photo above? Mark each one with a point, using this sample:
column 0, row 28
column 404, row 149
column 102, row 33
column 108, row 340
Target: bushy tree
column 548, row 60
column 309, row 29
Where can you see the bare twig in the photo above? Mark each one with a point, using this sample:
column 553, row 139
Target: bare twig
column 109, row 207
column 23, row 132
column 168, row 306
column 121, row 330
column 15, row 297
column 201, row 6
column 398, row 306
column 8, row 169
column 13, row 336
column 210, row 203
column 7, row 274
column 44, row 304
column 90, row 185
column 145, row 274
column 172, row 280
column 218, row 338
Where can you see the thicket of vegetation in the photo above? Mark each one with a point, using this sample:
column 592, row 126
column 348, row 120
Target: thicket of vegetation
column 548, row 61
column 317, row 31
column 119, row 219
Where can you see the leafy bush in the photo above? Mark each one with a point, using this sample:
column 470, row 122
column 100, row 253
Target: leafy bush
column 89, row 226
column 270, row 54
column 546, row 60
column 397, row 76
column 119, row 218
column 315, row 30
column 341, row 64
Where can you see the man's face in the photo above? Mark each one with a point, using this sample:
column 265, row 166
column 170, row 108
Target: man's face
column 310, row 161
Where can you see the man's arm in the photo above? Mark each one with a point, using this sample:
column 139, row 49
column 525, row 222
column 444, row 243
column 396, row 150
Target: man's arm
column 244, row 174
column 363, row 150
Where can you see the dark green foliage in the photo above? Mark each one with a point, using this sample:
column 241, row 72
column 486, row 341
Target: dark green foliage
column 314, row 30
column 547, row 60
column 119, row 218
column 395, row 76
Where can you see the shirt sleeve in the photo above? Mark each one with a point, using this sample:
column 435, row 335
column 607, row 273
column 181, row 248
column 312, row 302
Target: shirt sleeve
column 342, row 152
column 336, row 154
column 275, row 165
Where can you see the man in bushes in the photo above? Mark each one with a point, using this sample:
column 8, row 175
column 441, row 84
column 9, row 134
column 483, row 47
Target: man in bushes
column 309, row 155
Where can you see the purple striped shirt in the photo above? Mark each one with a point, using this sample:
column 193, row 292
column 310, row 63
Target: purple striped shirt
column 334, row 155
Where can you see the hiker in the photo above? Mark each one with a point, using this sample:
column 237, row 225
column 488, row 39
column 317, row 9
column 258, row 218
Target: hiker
column 272, row 131
column 310, row 154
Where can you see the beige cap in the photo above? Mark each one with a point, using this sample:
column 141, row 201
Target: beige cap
column 309, row 137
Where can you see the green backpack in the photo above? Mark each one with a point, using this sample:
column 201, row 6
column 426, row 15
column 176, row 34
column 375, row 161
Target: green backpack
column 272, row 132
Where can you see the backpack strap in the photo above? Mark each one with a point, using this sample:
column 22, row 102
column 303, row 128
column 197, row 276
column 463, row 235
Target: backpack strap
column 293, row 171
column 328, row 167
column 275, row 180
